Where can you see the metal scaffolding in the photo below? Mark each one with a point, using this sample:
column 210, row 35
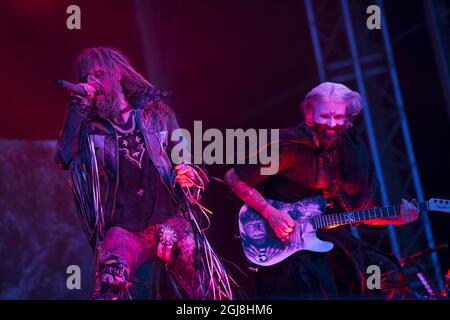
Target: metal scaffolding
column 438, row 19
column 347, row 51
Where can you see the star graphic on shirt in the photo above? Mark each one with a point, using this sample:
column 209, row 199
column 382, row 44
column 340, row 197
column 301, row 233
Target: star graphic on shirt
column 133, row 150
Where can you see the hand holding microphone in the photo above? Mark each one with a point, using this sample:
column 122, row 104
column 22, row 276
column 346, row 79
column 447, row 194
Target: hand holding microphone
column 84, row 90
column 82, row 95
column 89, row 90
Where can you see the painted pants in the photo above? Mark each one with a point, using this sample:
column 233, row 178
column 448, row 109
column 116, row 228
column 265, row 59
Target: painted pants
column 122, row 252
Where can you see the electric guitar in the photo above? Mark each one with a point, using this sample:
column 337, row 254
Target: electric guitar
column 262, row 247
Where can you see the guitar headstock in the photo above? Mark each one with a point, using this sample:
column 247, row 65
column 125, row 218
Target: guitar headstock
column 439, row 205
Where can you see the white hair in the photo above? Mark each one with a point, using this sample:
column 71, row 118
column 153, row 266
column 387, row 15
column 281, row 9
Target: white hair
column 326, row 90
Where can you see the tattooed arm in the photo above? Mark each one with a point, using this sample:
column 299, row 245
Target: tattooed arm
column 281, row 223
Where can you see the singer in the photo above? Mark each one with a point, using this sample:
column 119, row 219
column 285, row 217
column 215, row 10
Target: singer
column 132, row 200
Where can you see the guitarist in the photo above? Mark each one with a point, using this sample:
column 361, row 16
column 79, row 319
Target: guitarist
column 322, row 156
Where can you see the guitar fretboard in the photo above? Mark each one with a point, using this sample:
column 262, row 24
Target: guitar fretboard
column 337, row 219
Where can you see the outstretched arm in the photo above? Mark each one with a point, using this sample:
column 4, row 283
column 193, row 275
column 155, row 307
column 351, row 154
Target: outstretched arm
column 408, row 211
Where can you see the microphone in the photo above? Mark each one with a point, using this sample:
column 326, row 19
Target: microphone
column 72, row 87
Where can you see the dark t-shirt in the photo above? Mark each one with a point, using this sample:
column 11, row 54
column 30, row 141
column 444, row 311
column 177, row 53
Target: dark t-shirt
column 141, row 198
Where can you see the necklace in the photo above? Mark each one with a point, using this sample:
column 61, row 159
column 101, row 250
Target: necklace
column 133, row 126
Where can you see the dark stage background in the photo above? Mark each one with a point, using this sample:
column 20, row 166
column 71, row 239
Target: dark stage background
column 228, row 63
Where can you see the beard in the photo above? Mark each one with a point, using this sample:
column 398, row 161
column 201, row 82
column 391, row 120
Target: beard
column 107, row 100
column 328, row 136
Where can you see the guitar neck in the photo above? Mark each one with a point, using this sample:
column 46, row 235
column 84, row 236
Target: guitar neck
column 338, row 219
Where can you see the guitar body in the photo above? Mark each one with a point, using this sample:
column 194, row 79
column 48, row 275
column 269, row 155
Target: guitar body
column 261, row 245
